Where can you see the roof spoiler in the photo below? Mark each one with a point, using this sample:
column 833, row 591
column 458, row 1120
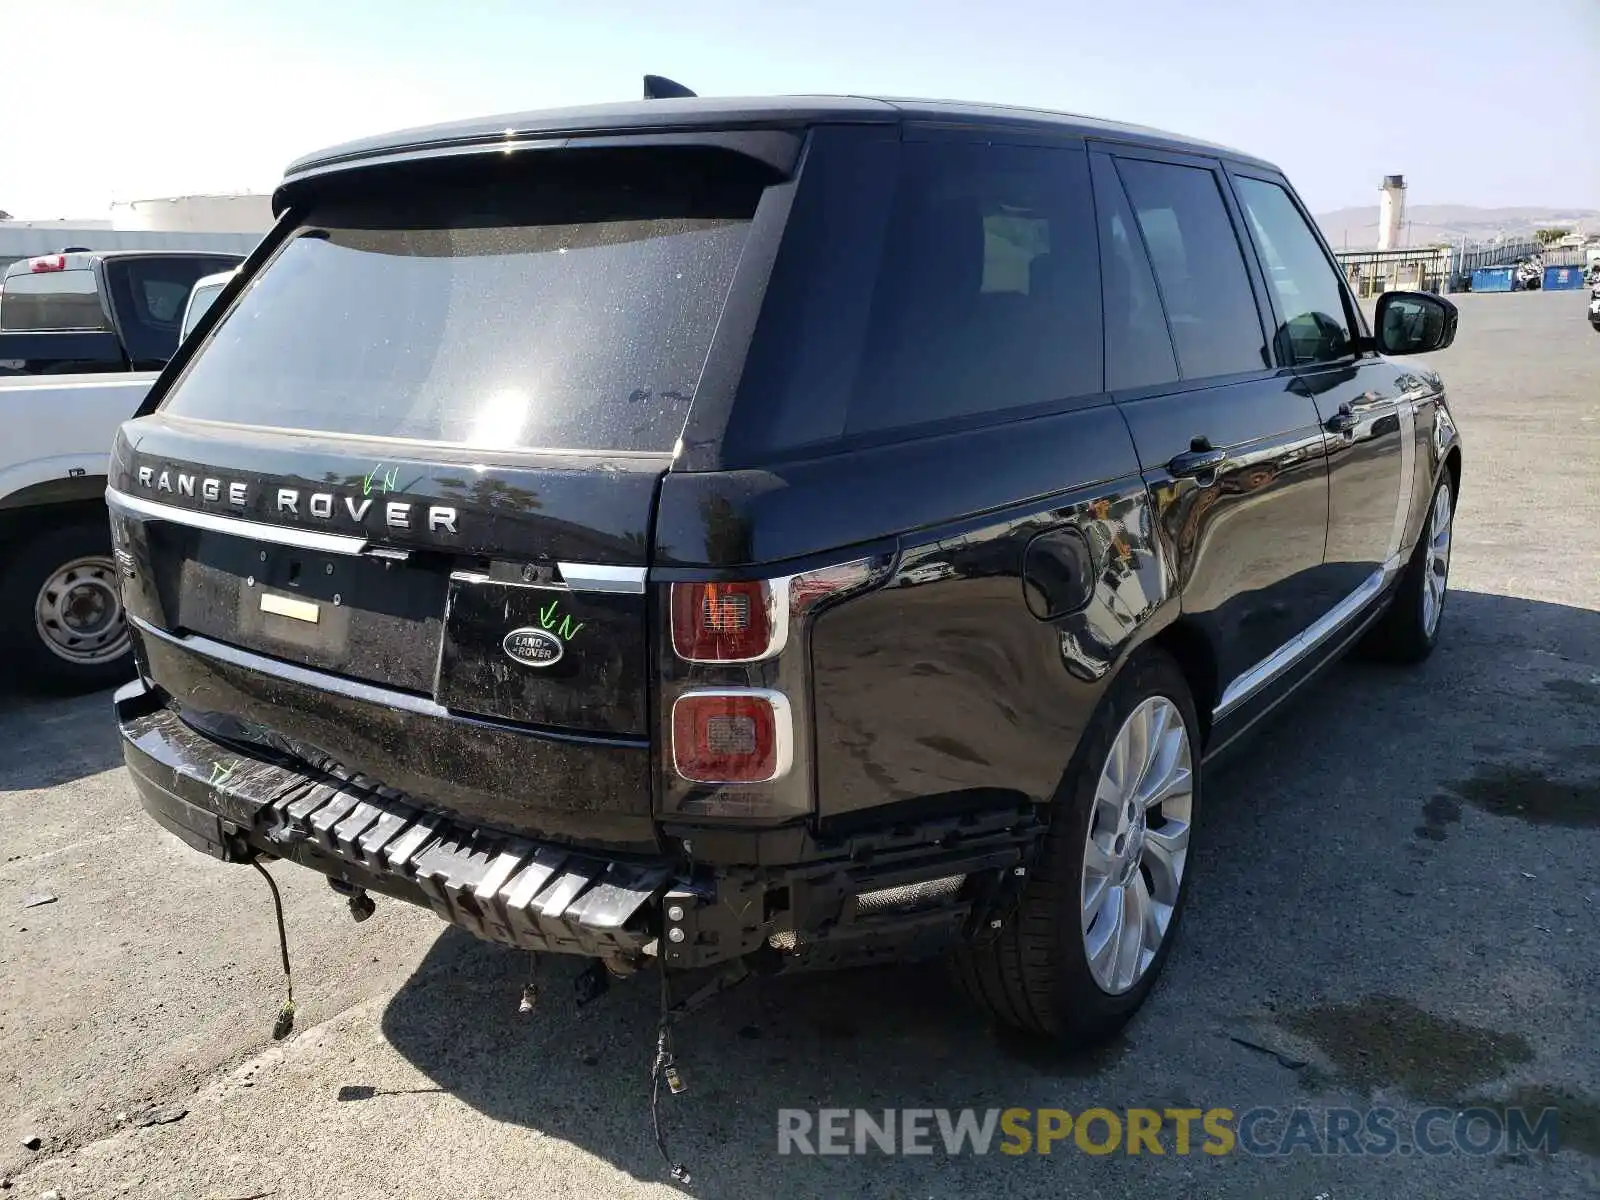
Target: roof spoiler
column 659, row 87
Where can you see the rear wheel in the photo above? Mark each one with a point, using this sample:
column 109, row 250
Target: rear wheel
column 1094, row 925
column 61, row 611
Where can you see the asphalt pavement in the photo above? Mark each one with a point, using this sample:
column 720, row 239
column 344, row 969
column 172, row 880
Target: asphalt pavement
column 1395, row 906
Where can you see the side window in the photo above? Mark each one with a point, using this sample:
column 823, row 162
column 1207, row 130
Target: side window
column 805, row 352
column 1316, row 326
column 1199, row 266
column 1138, row 346
column 988, row 295
column 149, row 295
column 199, row 303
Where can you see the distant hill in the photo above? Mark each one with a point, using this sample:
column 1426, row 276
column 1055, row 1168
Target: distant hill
column 1428, row 224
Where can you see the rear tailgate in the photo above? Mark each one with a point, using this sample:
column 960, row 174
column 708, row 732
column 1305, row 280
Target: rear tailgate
column 396, row 512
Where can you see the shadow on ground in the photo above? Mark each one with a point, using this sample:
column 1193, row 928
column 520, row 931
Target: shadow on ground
column 46, row 741
column 1370, row 749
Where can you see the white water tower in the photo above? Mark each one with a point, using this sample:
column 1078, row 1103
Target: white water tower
column 1391, row 211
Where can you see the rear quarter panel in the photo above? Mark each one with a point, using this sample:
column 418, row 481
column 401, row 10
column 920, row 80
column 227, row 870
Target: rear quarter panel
column 943, row 689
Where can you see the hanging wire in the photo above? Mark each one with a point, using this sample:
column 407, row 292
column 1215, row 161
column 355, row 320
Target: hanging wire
column 665, row 1068
column 285, row 1021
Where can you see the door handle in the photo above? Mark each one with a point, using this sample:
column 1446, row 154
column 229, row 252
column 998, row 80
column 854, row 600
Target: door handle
column 1343, row 421
column 1199, row 459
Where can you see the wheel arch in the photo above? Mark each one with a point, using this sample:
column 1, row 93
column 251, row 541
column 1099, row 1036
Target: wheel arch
column 23, row 522
column 1452, row 467
column 1189, row 647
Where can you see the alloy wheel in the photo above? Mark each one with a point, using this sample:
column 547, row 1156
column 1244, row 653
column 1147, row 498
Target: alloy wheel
column 1137, row 844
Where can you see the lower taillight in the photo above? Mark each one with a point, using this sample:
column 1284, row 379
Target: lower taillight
column 732, row 735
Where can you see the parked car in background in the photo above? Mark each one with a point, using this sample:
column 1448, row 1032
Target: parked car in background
column 1594, row 306
column 769, row 534
column 95, row 311
column 204, row 295
column 60, row 606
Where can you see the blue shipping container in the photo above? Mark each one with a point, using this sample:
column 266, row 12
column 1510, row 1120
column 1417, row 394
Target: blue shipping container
column 1563, row 279
column 1494, row 279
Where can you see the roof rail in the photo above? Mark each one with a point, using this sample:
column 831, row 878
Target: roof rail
column 659, row 87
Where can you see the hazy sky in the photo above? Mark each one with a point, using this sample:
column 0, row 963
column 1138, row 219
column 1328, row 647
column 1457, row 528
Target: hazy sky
column 1488, row 102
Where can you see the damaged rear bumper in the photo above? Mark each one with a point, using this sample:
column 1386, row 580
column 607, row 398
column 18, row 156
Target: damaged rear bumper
column 902, row 893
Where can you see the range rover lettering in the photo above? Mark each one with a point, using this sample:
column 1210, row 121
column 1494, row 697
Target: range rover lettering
column 756, row 535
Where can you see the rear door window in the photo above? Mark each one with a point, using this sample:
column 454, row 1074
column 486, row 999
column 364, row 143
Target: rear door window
column 1210, row 305
column 1138, row 344
column 570, row 308
column 52, row 300
column 988, row 293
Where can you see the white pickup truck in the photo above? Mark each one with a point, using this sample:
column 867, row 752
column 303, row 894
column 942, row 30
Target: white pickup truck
column 60, row 606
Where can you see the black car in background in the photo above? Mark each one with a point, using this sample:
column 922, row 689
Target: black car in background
column 783, row 532
column 97, row 310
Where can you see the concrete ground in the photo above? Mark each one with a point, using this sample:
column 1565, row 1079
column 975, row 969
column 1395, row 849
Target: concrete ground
column 1395, row 904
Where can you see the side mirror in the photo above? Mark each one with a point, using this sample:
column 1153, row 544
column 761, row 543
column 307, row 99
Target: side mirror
column 1414, row 322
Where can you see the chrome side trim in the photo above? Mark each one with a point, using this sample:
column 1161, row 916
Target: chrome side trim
column 282, row 535
column 1407, row 411
column 593, row 577
column 102, row 379
column 1297, row 647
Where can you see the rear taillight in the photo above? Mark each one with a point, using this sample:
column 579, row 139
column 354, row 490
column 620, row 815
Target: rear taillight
column 732, row 735
column 48, row 262
column 743, row 621
column 734, row 677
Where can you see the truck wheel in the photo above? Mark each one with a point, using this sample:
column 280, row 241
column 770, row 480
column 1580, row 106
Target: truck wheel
column 1408, row 631
column 61, row 611
column 1099, row 913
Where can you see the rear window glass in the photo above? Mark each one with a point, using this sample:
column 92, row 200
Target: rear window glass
column 52, row 300
column 571, row 308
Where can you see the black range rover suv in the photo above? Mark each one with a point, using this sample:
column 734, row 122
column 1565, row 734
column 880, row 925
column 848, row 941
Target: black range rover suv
column 779, row 533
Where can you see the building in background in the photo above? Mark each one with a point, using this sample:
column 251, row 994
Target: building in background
column 243, row 212
column 228, row 223
column 1391, row 211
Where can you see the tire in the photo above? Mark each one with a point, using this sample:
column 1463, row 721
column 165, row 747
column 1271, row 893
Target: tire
column 61, row 611
column 1035, row 972
column 1408, row 631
